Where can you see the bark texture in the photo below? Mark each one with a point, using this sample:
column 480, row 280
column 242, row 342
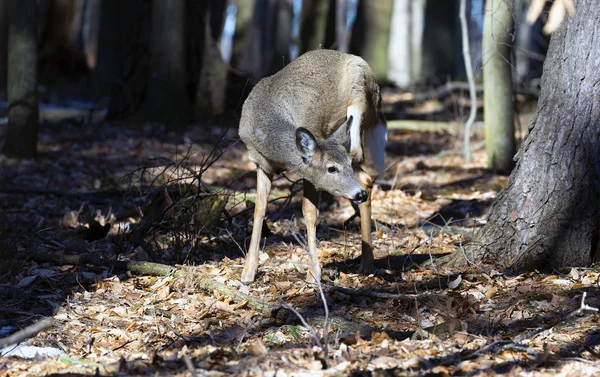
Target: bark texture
column 549, row 214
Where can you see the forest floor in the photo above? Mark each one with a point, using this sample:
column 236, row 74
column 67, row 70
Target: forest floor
column 66, row 219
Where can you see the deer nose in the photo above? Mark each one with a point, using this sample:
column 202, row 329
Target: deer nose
column 362, row 196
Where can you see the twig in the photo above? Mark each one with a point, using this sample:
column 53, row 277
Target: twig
column 26, row 333
column 469, row 70
column 301, row 318
column 313, row 263
column 582, row 307
column 189, row 365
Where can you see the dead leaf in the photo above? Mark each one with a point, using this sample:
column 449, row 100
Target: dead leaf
column 455, row 283
column 257, row 348
column 26, row 281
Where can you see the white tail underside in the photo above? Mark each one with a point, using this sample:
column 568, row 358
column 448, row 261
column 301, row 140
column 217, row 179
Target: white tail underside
column 376, row 139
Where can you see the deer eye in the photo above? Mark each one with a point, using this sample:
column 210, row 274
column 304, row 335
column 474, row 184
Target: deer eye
column 332, row 169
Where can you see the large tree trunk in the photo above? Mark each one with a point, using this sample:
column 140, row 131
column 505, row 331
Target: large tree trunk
column 549, row 214
column 23, row 119
column 497, row 80
column 371, row 34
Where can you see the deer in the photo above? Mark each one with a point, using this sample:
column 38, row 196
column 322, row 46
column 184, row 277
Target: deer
column 313, row 118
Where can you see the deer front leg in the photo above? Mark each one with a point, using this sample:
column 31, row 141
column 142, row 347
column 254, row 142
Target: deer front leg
column 367, row 259
column 310, row 211
column 263, row 188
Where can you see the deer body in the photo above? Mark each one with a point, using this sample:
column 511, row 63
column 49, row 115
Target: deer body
column 311, row 118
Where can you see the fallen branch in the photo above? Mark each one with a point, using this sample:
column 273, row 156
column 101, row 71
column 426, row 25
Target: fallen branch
column 26, row 333
column 278, row 314
column 365, row 331
column 210, row 285
column 373, row 294
column 440, row 92
column 453, row 128
column 136, row 267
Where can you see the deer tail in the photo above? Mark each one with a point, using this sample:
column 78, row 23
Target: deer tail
column 376, row 139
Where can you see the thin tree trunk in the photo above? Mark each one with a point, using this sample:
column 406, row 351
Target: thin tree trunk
column 313, row 24
column 90, row 32
column 283, row 35
column 549, row 214
column 23, row 118
column 167, row 98
column 399, row 70
column 3, row 49
column 441, row 32
column 242, row 34
column 497, row 80
column 342, row 33
column 117, row 25
column 259, row 48
column 371, row 34
column 406, row 42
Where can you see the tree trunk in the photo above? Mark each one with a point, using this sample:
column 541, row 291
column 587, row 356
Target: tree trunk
column 243, row 27
column 90, row 31
column 497, row 80
column 406, row 41
column 167, row 98
column 3, row 49
column 258, row 49
column 120, row 42
column 283, row 35
column 23, row 118
column 342, row 32
column 60, row 53
column 209, row 97
column 549, row 214
column 268, row 45
column 313, row 24
column 441, row 31
column 371, row 34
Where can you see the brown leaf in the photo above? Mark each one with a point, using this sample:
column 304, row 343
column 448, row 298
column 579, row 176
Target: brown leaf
column 257, row 348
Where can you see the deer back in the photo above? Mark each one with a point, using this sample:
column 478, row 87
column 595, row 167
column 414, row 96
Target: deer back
column 313, row 93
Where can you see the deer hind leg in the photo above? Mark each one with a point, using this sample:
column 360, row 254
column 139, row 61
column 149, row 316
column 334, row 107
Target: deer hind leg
column 367, row 258
column 263, row 188
column 310, row 211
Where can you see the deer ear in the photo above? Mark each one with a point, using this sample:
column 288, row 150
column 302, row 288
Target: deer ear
column 306, row 144
column 342, row 134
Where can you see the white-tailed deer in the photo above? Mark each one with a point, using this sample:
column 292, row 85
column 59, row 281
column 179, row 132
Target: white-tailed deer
column 311, row 118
